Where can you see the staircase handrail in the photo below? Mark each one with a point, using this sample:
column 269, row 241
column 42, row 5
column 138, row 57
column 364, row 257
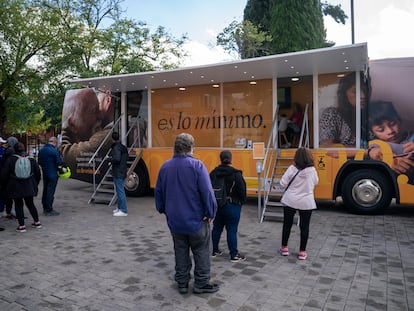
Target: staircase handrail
column 272, row 145
column 92, row 159
column 305, row 125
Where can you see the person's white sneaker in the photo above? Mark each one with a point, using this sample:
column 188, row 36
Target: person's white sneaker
column 120, row 213
column 115, row 211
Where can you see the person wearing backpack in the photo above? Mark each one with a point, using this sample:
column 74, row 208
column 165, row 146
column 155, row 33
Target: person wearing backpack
column 230, row 201
column 19, row 180
column 49, row 160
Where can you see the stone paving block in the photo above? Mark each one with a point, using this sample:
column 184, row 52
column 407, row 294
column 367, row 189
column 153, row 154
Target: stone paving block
column 87, row 260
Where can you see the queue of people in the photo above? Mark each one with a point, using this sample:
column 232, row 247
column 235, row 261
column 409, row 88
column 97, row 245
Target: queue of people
column 20, row 176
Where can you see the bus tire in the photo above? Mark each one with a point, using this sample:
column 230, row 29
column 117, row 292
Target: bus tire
column 366, row 192
column 137, row 183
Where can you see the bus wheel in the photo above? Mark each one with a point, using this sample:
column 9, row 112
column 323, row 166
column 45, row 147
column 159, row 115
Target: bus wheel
column 136, row 184
column 366, row 192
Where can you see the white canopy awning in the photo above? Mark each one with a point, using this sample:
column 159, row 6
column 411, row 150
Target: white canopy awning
column 318, row 61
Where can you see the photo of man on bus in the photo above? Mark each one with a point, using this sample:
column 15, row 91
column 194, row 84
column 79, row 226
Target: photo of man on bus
column 86, row 120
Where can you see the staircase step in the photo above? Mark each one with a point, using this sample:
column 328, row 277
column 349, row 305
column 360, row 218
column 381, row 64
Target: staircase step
column 103, row 190
column 102, row 198
column 274, row 204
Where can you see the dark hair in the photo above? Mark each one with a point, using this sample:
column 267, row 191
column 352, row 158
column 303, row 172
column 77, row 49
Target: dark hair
column 19, row 147
column 115, row 136
column 380, row 111
column 183, row 143
column 225, row 157
column 345, row 108
column 303, row 158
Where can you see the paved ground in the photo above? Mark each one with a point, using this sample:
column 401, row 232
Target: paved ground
column 85, row 259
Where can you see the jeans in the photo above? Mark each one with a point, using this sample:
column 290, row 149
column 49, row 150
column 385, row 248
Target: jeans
column 49, row 188
column 199, row 243
column 120, row 192
column 288, row 215
column 227, row 216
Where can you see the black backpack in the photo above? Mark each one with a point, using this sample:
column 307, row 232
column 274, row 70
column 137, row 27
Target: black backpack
column 220, row 190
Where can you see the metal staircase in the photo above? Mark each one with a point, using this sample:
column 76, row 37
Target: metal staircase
column 104, row 192
column 275, row 163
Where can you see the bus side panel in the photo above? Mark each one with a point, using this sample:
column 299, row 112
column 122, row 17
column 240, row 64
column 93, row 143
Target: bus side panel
column 154, row 158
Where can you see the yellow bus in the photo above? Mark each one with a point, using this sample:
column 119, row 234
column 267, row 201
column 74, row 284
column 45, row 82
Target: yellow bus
column 240, row 104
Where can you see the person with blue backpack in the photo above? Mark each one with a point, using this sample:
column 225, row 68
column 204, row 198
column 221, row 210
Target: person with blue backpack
column 19, row 181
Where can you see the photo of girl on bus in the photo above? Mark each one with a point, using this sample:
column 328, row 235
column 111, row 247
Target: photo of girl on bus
column 385, row 124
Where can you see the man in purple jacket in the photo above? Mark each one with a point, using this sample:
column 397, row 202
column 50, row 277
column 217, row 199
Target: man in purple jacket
column 184, row 194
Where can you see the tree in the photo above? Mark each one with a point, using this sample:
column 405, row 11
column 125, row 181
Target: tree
column 296, row 25
column 46, row 43
column 23, row 115
column 25, row 34
column 244, row 39
column 293, row 25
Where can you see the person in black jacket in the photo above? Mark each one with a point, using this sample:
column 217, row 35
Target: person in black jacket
column 228, row 216
column 20, row 190
column 119, row 171
column 11, row 142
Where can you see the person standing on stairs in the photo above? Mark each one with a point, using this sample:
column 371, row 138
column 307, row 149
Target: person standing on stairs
column 119, row 158
column 299, row 182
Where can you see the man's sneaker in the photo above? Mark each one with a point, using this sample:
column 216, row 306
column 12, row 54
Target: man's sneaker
column 209, row 288
column 284, row 251
column 237, row 258
column 115, row 211
column 37, row 225
column 302, row 255
column 120, row 213
column 51, row 213
column 21, row 229
column 10, row 216
column 217, row 253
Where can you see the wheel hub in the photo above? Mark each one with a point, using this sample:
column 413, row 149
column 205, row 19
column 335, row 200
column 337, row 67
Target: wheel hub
column 131, row 182
column 367, row 192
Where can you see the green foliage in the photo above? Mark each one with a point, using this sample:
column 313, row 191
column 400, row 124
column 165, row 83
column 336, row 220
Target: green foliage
column 24, row 115
column 46, row 43
column 335, row 11
column 296, row 25
column 292, row 25
column 245, row 40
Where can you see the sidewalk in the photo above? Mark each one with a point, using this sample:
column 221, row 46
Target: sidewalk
column 86, row 259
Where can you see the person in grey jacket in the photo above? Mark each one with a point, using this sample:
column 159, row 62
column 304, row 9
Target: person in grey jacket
column 119, row 160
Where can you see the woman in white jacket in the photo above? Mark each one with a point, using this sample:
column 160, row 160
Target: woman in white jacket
column 299, row 181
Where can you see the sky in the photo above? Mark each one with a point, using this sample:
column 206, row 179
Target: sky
column 386, row 25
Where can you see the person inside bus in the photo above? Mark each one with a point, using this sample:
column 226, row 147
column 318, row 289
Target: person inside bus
column 295, row 124
column 337, row 125
column 385, row 124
